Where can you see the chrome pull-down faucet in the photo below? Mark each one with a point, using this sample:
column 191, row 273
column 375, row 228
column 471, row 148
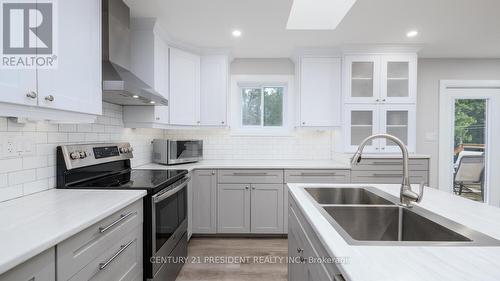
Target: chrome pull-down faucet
column 407, row 195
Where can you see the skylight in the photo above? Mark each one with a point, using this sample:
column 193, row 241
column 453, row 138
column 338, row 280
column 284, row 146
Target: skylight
column 318, row 14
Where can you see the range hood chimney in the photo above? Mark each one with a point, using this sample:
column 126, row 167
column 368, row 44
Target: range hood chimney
column 119, row 85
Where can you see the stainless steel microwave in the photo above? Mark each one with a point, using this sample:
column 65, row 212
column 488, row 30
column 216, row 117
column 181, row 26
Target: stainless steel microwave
column 171, row 152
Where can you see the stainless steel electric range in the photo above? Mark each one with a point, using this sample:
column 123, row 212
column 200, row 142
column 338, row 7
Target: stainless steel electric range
column 107, row 166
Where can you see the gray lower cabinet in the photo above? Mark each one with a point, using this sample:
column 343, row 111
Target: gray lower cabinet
column 266, row 208
column 304, row 247
column 317, row 176
column 389, row 171
column 233, row 208
column 39, row 268
column 108, row 250
column 204, row 202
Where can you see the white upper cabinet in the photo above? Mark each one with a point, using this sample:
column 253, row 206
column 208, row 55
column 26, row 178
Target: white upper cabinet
column 399, row 79
column 149, row 61
column 75, row 85
column 72, row 90
column 320, row 102
column 364, row 120
column 184, row 88
column 380, row 78
column 214, row 87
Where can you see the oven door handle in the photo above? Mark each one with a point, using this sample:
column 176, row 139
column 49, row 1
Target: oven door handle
column 164, row 195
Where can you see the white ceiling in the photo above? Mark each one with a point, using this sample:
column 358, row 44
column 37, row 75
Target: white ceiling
column 448, row 28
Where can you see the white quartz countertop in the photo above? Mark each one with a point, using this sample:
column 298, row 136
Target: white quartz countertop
column 255, row 164
column 340, row 163
column 32, row 224
column 413, row 263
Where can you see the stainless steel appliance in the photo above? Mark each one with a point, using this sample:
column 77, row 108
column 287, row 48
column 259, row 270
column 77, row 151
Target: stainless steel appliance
column 107, row 166
column 171, row 152
column 119, row 85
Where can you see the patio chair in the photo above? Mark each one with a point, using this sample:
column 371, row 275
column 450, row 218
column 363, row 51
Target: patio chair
column 470, row 172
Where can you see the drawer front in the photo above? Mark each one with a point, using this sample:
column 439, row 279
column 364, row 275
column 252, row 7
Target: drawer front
column 76, row 252
column 122, row 261
column 39, row 268
column 391, row 165
column 250, row 176
column 388, row 177
column 317, row 176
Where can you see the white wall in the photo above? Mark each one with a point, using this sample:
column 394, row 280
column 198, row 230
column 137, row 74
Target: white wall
column 430, row 71
column 262, row 66
column 25, row 175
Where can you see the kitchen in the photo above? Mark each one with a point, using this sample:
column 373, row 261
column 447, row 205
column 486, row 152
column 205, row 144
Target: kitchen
column 249, row 140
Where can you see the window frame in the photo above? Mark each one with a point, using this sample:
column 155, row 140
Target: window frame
column 238, row 82
column 262, row 86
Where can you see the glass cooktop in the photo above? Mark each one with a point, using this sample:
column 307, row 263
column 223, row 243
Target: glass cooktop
column 134, row 179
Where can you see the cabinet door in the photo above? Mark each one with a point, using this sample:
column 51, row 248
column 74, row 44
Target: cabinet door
column 39, row 268
column 399, row 121
column 398, row 81
column 160, row 66
column 233, row 214
column 214, row 85
column 184, row 88
column 320, row 92
column 18, row 86
column 161, row 114
column 362, row 79
column 75, row 85
column 204, row 205
column 267, row 208
column 361, row 121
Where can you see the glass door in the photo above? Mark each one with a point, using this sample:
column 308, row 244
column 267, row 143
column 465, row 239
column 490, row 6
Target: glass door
column 362, row 121
column 363, row 73
column 469, row 148
column 399, row 121
column 398, row 79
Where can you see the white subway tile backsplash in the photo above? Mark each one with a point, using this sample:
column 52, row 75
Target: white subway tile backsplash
column 29, row 174
column 22, row 176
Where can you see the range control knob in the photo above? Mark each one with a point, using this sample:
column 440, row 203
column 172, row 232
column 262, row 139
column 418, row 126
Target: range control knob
column 83, row 154
column 75, row 155
column 124, row 150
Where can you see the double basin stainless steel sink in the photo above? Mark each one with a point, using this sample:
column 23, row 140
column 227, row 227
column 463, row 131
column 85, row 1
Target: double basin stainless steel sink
column 368, row 216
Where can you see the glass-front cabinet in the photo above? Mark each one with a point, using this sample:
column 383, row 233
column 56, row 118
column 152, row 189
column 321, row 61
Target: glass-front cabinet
column 364, row 120
column 380, row 78
column 362, row 75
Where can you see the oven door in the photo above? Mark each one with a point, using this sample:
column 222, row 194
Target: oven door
column 185, row 151
column 169, row 219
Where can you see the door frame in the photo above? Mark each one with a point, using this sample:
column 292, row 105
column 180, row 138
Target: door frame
column 450, row 90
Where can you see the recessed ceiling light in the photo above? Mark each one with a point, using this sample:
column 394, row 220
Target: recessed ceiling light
column 318, row 14
column 152, row 102
column 412, row 33
column 236, row 33
column 135, row 96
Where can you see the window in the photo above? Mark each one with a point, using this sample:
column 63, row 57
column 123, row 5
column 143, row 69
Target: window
column 262, row 106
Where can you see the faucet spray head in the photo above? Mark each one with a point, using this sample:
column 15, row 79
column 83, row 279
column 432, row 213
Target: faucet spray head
column 356, row 158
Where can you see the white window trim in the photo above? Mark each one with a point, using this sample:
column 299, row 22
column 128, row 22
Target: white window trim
column 239, row 81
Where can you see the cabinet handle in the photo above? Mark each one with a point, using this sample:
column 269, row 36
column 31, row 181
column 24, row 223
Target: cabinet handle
column 49, row 98
column 387, row 163
column 387, row 175
column 253, row 188
column 383, row 148
column 198, row 122
column 249, row 174
column 213, row 173
column 317, row 174
column 246, row 187
column 103, row 229
column 222, row 122
column 122, row 248
column 383, row 100
column 303, row 123
column 377, row 100
column 31, row 95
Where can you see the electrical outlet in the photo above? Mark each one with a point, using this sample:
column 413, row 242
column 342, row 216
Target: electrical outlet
column 17, row 147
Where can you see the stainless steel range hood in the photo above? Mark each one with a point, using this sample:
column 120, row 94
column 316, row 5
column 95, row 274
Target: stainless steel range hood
column 119, row 85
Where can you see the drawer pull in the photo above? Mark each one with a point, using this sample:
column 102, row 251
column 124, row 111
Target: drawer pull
column 249, row 174
column 103, row 229
column 317, row 174
column 122, row 248
column 388, row 163
column 387, row 176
